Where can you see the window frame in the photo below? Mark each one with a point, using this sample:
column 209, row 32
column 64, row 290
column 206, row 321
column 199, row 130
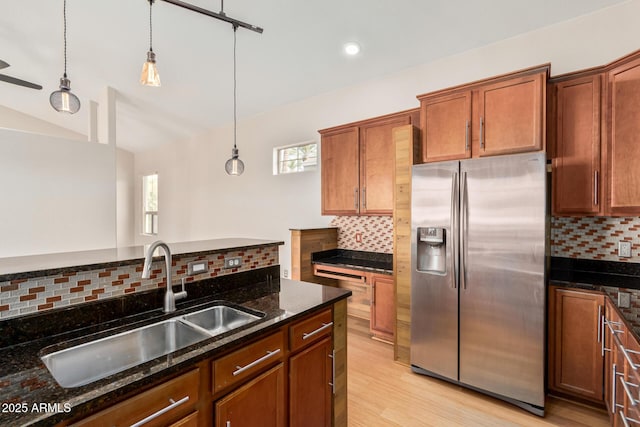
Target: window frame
column 149, row 216
column 277, row 162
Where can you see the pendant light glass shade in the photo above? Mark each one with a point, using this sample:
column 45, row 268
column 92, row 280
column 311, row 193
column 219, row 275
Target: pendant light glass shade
column 234, row 166
column 63, row 100
column 150, row 76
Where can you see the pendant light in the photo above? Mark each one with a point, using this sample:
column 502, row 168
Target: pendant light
column 150, row 76
column 234, row 166
column 63, row 100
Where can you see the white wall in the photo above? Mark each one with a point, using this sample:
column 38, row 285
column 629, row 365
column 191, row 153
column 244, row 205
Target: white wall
column 198, row 200
column 12, row 119
column 125, row 197
column 56, row 195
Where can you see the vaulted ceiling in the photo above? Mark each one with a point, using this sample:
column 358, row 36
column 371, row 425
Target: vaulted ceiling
column 298, row 55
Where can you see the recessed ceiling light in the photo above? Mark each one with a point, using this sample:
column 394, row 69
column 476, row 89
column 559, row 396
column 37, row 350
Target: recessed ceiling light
column 352, row 48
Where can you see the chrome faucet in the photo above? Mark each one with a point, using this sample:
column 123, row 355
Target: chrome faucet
column 169, row 297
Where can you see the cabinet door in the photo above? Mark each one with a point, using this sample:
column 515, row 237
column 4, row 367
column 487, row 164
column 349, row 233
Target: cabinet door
column 577, row 354
column 446, row 124
column 576, row 175
column 376, row 166
column 340, row 170
column 512, row 115
column 310, row 386
column 382, row 306
column 261, row 402
column 623, row 146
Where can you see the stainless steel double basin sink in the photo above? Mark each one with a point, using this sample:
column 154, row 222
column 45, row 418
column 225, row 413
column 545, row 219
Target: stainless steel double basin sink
column 94, row 360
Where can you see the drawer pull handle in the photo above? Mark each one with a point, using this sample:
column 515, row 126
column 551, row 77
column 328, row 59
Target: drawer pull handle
column 626, row 352
column 317, row 331
column 333, row 371
column 625, row 386
column 173, row 404
column 624, row 418
column 241, row 369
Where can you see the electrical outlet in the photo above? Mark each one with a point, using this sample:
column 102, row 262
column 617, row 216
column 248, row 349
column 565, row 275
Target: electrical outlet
column 233, row 262
column 624, row 299
column 285, row 273
column 624, row 249
column 359, row 237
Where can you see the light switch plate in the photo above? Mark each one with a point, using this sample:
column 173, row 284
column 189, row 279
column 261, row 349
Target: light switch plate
column 197, row 267
column 624, row 249
column 624, row 299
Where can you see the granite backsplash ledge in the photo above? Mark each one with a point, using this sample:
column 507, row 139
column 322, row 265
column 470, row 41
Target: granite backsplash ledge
column 596, row 272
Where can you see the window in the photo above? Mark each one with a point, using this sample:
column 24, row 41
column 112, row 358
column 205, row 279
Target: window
column 295, row 158
column 150, row 204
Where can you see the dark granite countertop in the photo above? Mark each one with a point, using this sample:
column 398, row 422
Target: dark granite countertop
column 599, row 275
column 25, row 380
column 358, row 260
column 12, row 268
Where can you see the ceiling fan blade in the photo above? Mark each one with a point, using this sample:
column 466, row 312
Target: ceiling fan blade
column 3, row 64
column 19, row 82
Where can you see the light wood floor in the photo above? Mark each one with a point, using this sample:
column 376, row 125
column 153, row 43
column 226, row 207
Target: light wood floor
column 382, row 392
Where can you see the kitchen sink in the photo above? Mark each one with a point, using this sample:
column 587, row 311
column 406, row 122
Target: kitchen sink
column 85, row 363
column 220, row 319
column 94, row 360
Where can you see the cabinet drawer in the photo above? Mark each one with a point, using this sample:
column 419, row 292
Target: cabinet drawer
column 310, row 330
column 159, row 405
column 244, row 363
column 190, row 420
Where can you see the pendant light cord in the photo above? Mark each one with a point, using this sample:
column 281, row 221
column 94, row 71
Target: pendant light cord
column 235, row 108
column 150, row 27
column 64, row 19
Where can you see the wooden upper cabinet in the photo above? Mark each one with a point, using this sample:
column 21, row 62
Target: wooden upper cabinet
column 376, row 166
column 340, row 167
column 501, row 115
column 511, row 115
column 357, row 162
column 576, row 166
column 623, row 149
column 446, row 124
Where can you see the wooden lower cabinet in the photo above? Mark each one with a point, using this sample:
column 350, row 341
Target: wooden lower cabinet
column 383, row 315
column 310, row 386
column 162, row 405
column 190, row 420
column 260, row 402
column 372, row 299
column 575, row 353
column 293, row 376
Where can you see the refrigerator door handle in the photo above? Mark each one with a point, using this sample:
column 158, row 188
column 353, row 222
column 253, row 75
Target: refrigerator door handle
column 463, row 232
column 455, row 199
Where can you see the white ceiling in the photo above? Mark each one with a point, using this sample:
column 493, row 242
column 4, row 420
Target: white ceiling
column 298, row 55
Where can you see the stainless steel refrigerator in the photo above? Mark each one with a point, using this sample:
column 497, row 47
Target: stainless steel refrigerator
column 478, row 275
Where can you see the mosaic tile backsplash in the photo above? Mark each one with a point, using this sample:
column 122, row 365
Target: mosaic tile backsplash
column 631, row 314
column 19, row 297
column 376, row 233
column 594, row 237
